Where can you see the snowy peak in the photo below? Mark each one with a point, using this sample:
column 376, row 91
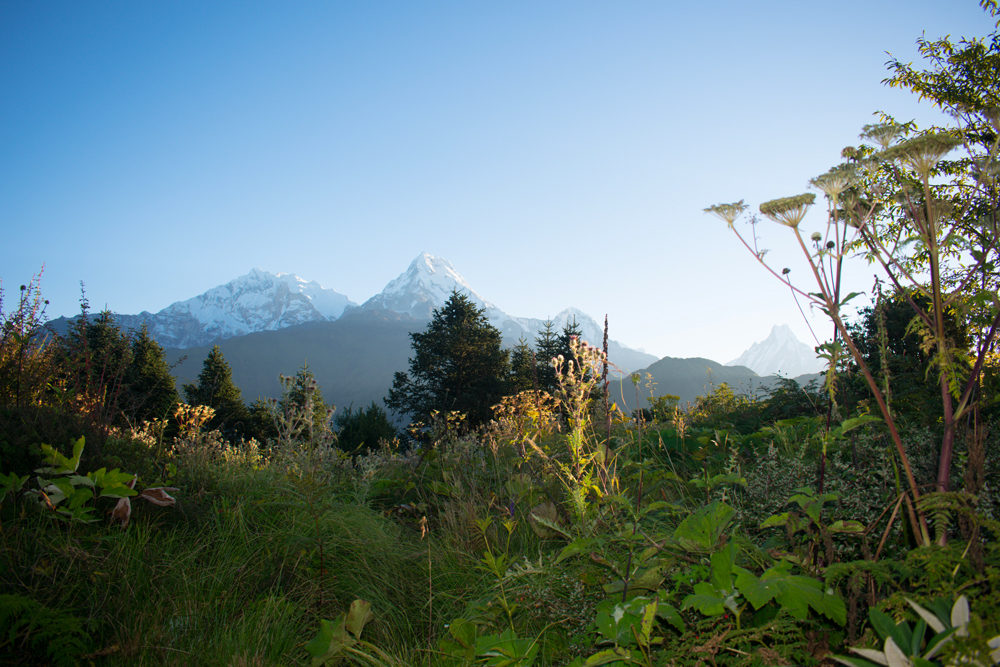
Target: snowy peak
column 258, row 301
column 428, row 282
column 424, row 287
column 781, row 352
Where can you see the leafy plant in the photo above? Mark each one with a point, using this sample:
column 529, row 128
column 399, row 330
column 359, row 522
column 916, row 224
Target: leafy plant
column 906, row 646
column 28, row 627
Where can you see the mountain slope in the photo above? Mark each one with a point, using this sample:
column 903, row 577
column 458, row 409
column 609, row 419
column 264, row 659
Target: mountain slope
column 428, row 281
column 258, row 301
column 353, row 358
column 780, row 353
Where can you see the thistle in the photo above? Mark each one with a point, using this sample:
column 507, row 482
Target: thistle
column 727, row 212
column 788, row 211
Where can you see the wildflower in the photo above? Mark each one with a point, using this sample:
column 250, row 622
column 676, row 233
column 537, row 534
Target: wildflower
column 788, row 211
column 883, row 134
column 727, row 212
column 922, row 153
column 835, row 181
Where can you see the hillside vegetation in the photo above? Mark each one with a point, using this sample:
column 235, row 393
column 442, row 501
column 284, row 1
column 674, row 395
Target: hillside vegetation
column 522, row 519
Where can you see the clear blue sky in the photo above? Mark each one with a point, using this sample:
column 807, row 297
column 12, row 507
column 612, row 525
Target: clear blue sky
column 557, row 153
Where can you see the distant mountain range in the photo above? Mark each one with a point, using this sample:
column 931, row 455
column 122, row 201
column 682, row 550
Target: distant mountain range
column 269, row 324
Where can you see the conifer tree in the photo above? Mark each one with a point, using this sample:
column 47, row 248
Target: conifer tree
column 547, row 346
column 522, row 367
column 216, row 389
column 149, row 386
column 458, row 364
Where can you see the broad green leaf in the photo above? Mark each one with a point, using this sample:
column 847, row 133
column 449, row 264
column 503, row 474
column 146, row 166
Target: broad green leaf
column 118, row 491
column 960, row 616
column 933, row 621
column 705, row 599
column 80, row 480
column 669, row 613
column 575, row 548
column 701, row 531
column 894, row 655
column 795, row 593
column 722, row 567
column 873, row 655
column 851, row 424
column 506, row 650
column 11, row 484
column 853, row 662
column 846, row 527
column 917, row 638
column 464, row 632
column 358, row 616
column 886, row 627
column 609, row 656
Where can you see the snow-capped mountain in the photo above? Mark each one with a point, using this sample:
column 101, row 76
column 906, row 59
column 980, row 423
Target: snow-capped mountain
column 781, row 352
column 258, row 301
column 429, row 281
column 262, row 301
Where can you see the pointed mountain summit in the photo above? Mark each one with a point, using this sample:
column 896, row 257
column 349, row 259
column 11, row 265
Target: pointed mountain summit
column 424, row 287
column 258, row 301
column 428, row 282
column 781, row 352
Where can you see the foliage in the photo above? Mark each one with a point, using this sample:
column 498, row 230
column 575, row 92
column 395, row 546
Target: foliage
column 906, row 647
column 215, row 389
column 35, row 631
column 364, row 430
column 458, row 364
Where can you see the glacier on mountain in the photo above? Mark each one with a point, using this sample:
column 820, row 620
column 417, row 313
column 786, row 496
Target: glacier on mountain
column 428, row 282
column 780, row 353
column 258, row 301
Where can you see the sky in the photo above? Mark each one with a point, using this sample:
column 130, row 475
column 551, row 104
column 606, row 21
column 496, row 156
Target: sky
column 556, row 153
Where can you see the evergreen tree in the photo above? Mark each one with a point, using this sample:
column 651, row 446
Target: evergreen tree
column 303, row 384
column 150, row 392
column 458, row 365
column 570, row 330
column 547, row 346
column 364, row 428
column 216, row 389
column 261, row 421
column 522, row 367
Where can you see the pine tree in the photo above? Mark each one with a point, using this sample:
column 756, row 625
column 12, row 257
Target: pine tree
column 150, row 391
column 458, row 365
column 364, row 428
column 522, row 367
column 216, row 389
column 547, row 346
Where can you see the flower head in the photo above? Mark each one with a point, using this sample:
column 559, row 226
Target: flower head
column 835, row 181
column 727, row 212
column 788, row 211
column 883, row 134
column 922, row 153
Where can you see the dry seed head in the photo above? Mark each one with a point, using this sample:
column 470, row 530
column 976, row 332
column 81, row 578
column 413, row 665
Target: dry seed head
column 922, row 153
column 788, row 211
column 883, row 134
column 727, row 212
column 835, row 181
